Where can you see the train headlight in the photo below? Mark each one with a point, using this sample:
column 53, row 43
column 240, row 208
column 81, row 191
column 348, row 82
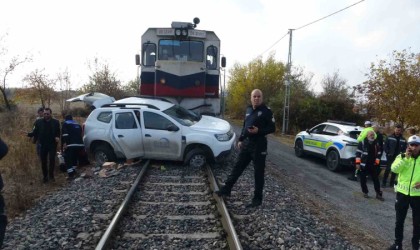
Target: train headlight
column 184, row 33
column 178, row 32
column 197, row 82
column 162, row 81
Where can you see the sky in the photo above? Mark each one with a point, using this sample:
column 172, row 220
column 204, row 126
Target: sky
column 67, row 35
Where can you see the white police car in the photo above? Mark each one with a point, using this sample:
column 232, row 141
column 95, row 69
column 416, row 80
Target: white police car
column 149, row 128
column 334, row 141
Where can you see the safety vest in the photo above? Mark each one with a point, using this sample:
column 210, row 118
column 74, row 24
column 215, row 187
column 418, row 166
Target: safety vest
column 408, row 170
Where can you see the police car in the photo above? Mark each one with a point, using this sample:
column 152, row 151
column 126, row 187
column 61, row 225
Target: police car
column 334, row 141
column 150, row 128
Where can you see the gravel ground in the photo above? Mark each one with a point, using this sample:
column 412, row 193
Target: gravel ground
column 76, row 216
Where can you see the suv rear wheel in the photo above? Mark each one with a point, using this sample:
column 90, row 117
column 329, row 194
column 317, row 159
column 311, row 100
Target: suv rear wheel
column 103, row 154
column 196, row 158
column 333, row 160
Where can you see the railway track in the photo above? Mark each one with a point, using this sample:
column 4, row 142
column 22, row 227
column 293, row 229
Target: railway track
column 171, row 207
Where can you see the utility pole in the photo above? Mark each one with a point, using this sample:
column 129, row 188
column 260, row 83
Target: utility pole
column 287, row 81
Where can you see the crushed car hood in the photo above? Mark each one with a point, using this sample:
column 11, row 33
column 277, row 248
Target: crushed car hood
column 211, row 124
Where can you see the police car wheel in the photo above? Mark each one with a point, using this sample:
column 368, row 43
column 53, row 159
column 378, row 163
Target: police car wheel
column 103, row 154
column 196, row 158
column 299, row 152
column 333, row 160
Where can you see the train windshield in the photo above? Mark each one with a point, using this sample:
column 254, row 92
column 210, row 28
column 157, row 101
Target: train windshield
column 181, row 50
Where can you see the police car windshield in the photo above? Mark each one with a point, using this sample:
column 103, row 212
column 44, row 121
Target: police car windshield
column 182, row 115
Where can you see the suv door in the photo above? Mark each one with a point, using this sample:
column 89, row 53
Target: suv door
column 127, row 133
column 162, row 137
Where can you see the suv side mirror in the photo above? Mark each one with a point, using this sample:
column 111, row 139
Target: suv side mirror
column 172, row 128
column 223, row 62
column 307, row 131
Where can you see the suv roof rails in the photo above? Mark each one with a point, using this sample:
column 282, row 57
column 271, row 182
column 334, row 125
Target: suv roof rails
column 150, row 97
column 343, row 122
column 124, row 105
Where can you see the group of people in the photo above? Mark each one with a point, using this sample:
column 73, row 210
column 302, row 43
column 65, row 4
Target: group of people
column 403, row 161
column 47, row 133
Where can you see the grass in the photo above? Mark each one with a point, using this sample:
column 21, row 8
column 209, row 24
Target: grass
column 21, row 167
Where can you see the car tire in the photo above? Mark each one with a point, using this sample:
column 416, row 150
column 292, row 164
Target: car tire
column 333, row 160
column 103, row 154
column 196, row 158
column 299, row 152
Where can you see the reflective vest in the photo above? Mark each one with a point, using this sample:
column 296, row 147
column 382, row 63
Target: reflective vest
column 408, row 170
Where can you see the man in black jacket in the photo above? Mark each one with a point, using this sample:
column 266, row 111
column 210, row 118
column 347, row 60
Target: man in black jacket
column 47, row 133
column 394, row 145
column 3, row 218
column 252, row 143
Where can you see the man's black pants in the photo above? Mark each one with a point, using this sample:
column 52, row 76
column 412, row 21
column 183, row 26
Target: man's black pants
column 48, row 161
column 249, row 152
column 401, row 207
column 373, row 172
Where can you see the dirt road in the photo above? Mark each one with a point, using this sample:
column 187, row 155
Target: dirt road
column 333, row 197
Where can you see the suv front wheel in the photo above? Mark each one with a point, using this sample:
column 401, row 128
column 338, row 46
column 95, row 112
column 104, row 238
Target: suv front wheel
column 103, row 154
column 299, row 149
column 333, row 160
column 196, row 158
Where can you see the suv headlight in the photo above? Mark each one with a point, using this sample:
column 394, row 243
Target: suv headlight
column 224, row 137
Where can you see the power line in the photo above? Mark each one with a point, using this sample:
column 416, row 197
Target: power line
column 301, row 27
column 328, row 15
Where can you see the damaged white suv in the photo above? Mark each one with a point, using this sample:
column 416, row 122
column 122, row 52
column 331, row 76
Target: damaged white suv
column 138, row 127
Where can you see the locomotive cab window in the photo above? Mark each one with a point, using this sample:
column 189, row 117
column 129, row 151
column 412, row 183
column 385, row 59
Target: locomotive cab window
column 149, row 54
column 181, row 50
column 211, row 57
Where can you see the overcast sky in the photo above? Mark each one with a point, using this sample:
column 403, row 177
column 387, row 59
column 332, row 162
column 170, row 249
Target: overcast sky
column 68, row 34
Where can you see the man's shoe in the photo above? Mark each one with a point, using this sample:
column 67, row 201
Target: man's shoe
column 223, row 191
column 254, row 203
column 395, row 247
column 379, row 196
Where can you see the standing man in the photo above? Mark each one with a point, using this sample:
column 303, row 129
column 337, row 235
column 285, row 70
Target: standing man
column 40, row 113
column 394, row 145
column 252, row 143
column 3, row 218
column 368, row 156
column 407, row 166
column 72, row 142
column 47, row 132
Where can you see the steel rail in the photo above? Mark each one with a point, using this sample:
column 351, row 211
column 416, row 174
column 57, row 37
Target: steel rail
column 232, row 236
column 118, row 215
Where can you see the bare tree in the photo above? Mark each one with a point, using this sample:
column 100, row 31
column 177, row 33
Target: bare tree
column 63, row 80
column 43, row 86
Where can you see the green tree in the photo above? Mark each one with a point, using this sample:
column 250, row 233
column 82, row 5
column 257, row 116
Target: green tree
column 131, row 88
column 393, row 88
column 103, row 80
column 265, row 75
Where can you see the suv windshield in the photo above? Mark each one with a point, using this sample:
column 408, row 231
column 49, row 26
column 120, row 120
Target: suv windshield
column 182, row 115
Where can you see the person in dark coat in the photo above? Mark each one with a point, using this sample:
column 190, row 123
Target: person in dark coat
column 3, row 218
column 394, row 145
column 368, row 155
column 72, row 142
column 252, row 143
column 47, row 132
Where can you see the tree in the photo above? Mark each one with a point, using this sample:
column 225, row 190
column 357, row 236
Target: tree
column 393, row 88
column 42, row 86
column 131, row 88
column 63, row 80
column 9, row 68
column 267, row 76
column 103, row 80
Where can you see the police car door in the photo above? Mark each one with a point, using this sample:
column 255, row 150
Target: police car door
column 127, row 133
column 314, row 140
column 162, row 136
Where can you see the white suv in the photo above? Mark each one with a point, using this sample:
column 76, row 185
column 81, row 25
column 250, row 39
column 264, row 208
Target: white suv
column 149, row 128
column 333, row 140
